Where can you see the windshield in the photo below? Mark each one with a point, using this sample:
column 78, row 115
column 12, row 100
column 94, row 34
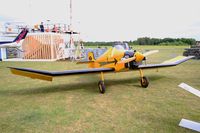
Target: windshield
column 119, row 47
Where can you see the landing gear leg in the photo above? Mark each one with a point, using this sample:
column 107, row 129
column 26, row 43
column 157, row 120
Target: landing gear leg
column 144, row 80
column 101, row 85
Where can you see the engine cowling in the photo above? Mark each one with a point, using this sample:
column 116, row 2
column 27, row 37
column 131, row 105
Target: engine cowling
column 136, row 62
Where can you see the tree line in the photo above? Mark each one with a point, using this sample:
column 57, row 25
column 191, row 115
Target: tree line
column 150, row 41
column 165, row 41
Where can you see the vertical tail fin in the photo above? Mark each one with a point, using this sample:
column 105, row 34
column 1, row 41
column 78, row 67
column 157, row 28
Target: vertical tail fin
column 91, row 56
column 21, row 36
column 92, row 62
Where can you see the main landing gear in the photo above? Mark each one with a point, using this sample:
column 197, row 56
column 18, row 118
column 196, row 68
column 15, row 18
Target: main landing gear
column 101, row 85
column 144, row 80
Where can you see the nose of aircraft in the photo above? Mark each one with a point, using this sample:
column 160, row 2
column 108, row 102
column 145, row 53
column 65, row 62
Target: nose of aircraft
column 139, row 57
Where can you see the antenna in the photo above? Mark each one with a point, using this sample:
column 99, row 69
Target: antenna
column 71, row 42
column 70, row 15
column 30, row 13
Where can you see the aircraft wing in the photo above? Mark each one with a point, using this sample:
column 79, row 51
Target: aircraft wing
column 48, row 75
column 168, row 63
column 151, row 52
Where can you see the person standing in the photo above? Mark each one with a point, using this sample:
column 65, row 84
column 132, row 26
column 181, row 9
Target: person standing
column 55, row 29
column 41, row 27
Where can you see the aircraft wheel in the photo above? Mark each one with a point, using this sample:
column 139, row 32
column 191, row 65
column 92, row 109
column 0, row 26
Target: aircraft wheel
column 145, row 82
column 102, row 87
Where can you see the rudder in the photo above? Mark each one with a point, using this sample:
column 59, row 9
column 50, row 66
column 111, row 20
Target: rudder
column 91, row 56
column 92, row 63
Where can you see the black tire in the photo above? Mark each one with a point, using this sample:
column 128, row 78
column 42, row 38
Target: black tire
column 102, row 87
column 145, row 82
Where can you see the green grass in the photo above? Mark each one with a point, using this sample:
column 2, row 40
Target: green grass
column 73, row 104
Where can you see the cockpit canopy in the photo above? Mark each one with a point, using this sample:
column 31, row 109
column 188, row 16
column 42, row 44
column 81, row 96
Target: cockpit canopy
column 121, row 46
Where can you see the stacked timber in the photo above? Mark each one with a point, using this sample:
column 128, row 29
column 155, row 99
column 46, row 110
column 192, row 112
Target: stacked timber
column 43, row 46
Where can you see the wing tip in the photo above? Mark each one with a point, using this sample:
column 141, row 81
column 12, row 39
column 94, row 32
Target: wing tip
column 30, row 74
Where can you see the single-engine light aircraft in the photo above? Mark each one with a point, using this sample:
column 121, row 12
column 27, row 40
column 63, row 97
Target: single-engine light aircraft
column 115, row 59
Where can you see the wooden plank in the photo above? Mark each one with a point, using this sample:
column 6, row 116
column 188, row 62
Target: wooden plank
column 190, row 125
column 190, row 89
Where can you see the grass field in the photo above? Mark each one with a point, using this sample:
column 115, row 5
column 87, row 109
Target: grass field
column 73, row 104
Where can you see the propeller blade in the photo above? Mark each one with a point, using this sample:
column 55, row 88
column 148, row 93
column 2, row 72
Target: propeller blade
column 126, row 60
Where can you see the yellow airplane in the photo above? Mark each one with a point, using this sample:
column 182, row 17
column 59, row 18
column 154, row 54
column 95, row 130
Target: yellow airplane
column 113, row 60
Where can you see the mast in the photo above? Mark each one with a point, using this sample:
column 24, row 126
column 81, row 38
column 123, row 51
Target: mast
column 70, row 15
column 70, row 27
column 71, row 43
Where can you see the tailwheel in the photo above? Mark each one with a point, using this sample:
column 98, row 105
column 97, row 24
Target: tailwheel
column 144, row 82
column 102, row 87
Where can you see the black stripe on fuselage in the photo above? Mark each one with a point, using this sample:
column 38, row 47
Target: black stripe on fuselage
column 108, row 62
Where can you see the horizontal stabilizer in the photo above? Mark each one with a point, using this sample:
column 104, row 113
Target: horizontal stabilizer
column 168, row 63
column 84, row 62
column 48, row 75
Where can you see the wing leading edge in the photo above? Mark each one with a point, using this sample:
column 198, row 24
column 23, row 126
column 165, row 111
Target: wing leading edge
column 48, row 75
column 169, row 63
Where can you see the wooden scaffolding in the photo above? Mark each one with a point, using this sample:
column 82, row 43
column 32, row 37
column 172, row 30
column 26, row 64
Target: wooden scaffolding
column 43, row 46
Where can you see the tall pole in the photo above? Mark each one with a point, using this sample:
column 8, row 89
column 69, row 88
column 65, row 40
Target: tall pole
column 70, row 27
column 30, row 13
column 70, row 15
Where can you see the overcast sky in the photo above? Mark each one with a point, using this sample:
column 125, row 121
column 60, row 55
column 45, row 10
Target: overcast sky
column 108, row 20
